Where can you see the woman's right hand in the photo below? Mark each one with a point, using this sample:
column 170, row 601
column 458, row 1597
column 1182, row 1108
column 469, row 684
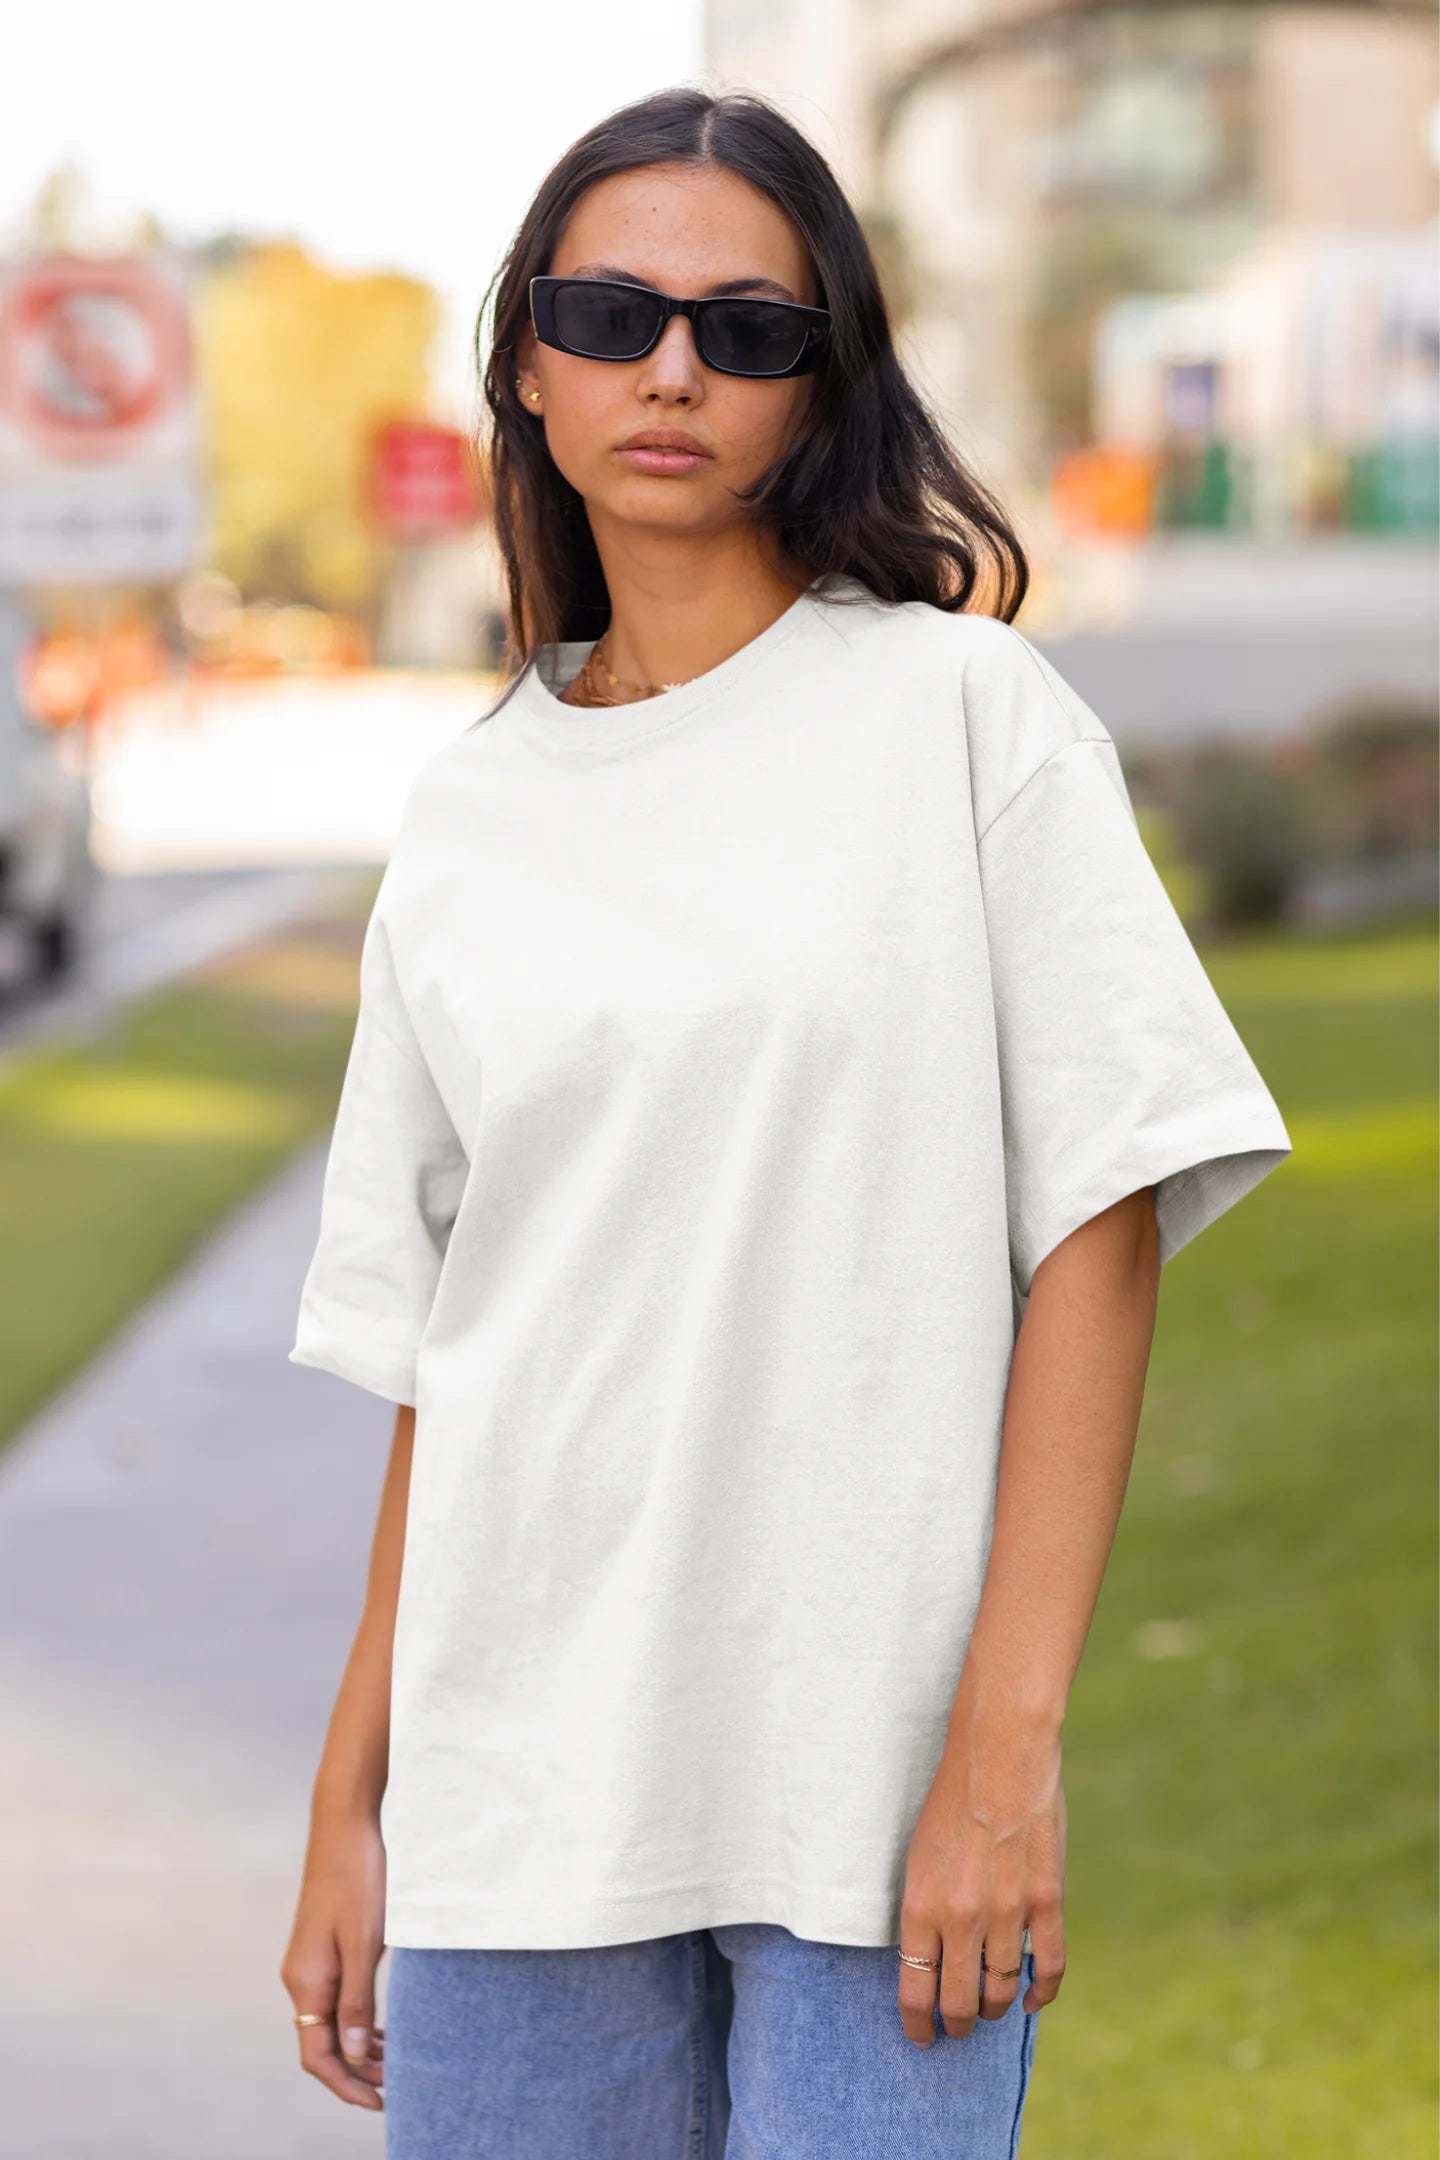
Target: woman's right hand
column 334, row 1949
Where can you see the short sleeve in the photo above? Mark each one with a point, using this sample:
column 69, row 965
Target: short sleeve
column 1119, row 1066
column 393, row 1180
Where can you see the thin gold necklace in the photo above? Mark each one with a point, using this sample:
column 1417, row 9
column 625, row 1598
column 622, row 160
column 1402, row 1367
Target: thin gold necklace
column 645, row 690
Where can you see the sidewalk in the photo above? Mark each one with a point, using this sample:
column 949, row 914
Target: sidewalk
column 184, row 1534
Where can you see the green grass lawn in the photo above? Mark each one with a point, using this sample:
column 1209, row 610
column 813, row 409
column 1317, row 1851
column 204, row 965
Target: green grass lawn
column 1250, row 1751
column 1250, row 1909
column 118, row 1157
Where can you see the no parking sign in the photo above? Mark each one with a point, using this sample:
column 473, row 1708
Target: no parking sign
column 99, row 430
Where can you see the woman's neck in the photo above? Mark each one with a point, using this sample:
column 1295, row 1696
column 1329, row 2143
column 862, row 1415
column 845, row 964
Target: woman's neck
column 654, row 638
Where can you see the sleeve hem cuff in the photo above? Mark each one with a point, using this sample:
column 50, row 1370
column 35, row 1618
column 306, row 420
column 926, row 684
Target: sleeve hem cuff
column 1195, row 1183
column 394, row 1379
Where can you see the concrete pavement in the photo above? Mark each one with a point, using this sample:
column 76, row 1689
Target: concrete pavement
column 184, row 1531
column 183, row 1540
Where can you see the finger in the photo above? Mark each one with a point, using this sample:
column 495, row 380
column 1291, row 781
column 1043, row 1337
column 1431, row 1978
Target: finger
column 960, row 1982
column 372, row 2069
column 916, row 1986
column 998, row 1992
column 313, row 1983
column 320, row 2056
column 355, row 2011
column 1047, row 1944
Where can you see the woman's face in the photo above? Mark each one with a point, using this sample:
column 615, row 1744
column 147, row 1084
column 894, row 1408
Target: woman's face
column 684, row 229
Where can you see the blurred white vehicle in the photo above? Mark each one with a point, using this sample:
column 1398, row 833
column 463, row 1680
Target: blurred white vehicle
column 47, row 874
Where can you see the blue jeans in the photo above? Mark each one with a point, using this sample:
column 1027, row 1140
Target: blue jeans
column 729, row 2043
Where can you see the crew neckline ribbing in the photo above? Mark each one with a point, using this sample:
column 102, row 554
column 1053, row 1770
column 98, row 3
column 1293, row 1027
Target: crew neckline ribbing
column 585, row 729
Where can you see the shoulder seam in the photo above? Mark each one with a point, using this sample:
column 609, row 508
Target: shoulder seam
column 1019, row 638
column 405, row 1045
column 406, row 1050
column 1074, row 744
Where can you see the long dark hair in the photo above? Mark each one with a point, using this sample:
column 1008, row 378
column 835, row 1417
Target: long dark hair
column 868, row 485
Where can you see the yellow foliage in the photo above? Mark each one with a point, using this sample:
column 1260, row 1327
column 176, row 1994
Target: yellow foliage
column 298, row 365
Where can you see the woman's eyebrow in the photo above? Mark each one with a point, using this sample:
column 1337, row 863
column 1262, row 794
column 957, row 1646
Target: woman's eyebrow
column 726, row 287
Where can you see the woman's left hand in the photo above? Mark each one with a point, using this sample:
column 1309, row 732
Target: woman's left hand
column 987, row 1859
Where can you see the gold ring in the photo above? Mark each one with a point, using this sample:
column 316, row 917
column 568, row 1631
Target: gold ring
column 921, row 1964
column 311, row 2017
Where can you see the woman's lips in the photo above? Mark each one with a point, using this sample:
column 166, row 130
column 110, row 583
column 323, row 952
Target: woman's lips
column 651, row 459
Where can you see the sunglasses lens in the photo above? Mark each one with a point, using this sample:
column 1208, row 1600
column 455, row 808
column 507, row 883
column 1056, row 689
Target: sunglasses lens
column 748, row 337
column 604, row 322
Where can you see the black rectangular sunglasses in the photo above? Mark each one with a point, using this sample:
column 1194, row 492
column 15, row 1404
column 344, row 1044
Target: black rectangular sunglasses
column 607, row 319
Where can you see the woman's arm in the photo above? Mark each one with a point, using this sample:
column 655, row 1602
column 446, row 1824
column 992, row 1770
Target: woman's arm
column 335, row 1944
column 988, row 1854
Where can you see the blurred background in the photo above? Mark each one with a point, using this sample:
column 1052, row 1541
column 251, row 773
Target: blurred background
column 1169, row 274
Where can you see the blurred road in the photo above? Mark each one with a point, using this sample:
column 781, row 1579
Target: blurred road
column 145, row 930
column 183, row 1541
column 221, row 812
column 1198, row 637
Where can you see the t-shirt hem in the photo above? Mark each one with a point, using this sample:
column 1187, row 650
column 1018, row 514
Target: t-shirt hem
column 595, row 1923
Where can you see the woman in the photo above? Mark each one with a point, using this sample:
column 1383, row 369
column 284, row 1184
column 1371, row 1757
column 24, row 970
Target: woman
column 779, row 1078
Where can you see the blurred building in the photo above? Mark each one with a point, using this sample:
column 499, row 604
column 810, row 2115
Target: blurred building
column 1167, row 276
column 1021, row 164
column 1300, row 393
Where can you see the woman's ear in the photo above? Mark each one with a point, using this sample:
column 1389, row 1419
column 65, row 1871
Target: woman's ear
column 526, row 384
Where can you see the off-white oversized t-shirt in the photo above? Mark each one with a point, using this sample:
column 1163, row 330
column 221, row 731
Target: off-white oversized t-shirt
column 726, row 1064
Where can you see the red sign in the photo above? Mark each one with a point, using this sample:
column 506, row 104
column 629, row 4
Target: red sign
column 93, row 353
column 423, row 480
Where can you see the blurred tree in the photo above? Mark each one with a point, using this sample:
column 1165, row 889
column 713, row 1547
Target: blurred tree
column 1241, row 822
column 298, row 366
